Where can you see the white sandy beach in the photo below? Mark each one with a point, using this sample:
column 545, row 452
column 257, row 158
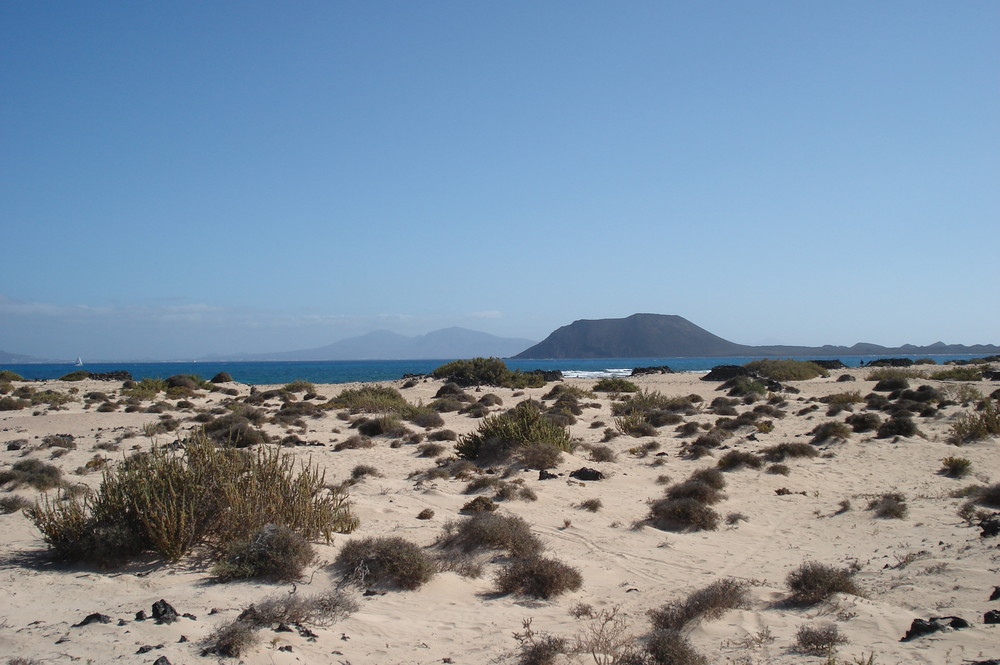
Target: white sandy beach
column 928, row 564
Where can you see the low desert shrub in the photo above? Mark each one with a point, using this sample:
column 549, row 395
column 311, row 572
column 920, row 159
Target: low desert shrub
column 481, row 504
column 635, row 424
column 818, row 640
column 355, row 442
column 489, row 372
column 593, row 505
column 540, row 456
column 497, row 437
column 275, row 552
column 682, row 515
column 956, row 467
column 734, row 460
column 388, row 561
column 300, row 386
column 430, row 449
column 538, row 577
column 13, row 404
column 485, row 531
column 783, row 451
column 231, row 640
column 13, row 503
column 615, row 384
column 168, row 501
column 707, row 603
column 987, row 496
column 235, row 430
column 697, row 490
column 426, row 417
column 668, row 647
column 600, row 453
column 779, row 469
column 786, row 369
column 959, row 373
column 891, row 505
column 969, row 427
column 371, row 399
column 8, row 375
column 32, row 472
column 864, row 422
column 814, row 582
column 897, row 426
column 365, row 471
column 442, row 435
column 830, row 430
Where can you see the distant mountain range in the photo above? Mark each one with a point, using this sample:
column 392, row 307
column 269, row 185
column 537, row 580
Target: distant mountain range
column 21, row 359
column 672, row 336
column 386, row 345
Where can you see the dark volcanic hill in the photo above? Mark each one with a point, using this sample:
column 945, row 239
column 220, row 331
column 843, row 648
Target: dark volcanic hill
column 672, row 336
column 637, row 336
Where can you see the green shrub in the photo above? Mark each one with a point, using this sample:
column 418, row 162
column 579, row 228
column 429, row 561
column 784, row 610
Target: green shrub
column 382, row 425
column 8, row 375
column 742, row 386
column 881, row 373
column 371, row 399
column 275, row 552
column 683, row 515
column 497, row 437
column 853, row 397
column 960, row 373
column 891, row 383
column 426, row 417
column 491, row 531
column 635, row 424
column 615, row 384
column 386, row 562
column 145, row 390
column 13, row 404
column 300, row 386
column 489, row 372
column 167, row 502
column 956, row 467
column 235, row 430
column 707, row 603
column 786, row 369
column 697, row 490
column 814, row 582
column 538, row 577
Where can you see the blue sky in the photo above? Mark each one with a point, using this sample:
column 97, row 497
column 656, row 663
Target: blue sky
column 186, row 178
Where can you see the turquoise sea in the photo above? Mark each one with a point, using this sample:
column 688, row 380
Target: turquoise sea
column 344, row 371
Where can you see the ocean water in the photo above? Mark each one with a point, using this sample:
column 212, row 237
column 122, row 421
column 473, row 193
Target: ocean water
column 345, row 371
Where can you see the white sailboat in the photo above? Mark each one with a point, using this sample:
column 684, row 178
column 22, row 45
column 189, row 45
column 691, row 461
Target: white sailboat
column 79, row 361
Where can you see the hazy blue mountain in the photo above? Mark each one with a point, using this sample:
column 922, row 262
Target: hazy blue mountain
column 672, row 336
column 386, row 345
column 21, row 359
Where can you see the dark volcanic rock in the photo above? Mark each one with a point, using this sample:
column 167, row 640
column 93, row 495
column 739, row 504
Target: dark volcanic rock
column 993, row 616
column 586, row 473
column 96, row 617
column 921, row 627
column 163, row 612
column 990, row 526
column 890, row 362
column 546, row 475
column 726, row 372
column 829, row 364
column 643, row 371
column 996, row 593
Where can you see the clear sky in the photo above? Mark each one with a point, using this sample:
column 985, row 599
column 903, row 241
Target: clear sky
column 186, row 178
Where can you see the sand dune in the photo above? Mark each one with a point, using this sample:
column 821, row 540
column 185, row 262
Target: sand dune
column 929, row 563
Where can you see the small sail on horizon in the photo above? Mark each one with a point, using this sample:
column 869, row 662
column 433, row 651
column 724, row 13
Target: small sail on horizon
column 79, row 361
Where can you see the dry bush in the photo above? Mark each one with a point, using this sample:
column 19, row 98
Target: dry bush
column 668, row 647
column 976, row 426
column 683, row 514
column 782, row 451
column 707, row 603
column 385, row 562
column 371, row 399
column 32, row 472
column 491, row 531
column 231, row 640
column 814, row 582
column 442, row 435
column 481, row 504
column 864, row 422
column 601, row 453
column 697, row 490
column 739, row 459
column 540, row 456
column 13, row 503
column 426, row 417
column 275, row 552
column 593, row 505
column 538, row 577
column 615, row 384
column 430, row 449
column 425, row 514
column 818, row 640
column 709, row 476
column 786, row 369
column 898, row 425
column 891, row 505
column 833, row 429
column 355, row 442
